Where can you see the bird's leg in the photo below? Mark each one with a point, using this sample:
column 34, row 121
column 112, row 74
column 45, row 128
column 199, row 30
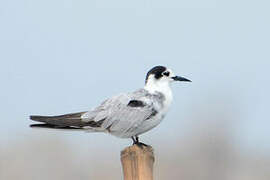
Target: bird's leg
column 134, row 140
column 137, row 138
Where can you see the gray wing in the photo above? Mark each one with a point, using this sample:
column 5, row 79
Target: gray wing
column 122, row 113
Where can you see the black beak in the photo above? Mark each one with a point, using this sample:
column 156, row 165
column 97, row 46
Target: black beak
column 179, row 78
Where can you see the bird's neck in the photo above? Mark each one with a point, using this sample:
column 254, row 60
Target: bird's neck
column 160, row 87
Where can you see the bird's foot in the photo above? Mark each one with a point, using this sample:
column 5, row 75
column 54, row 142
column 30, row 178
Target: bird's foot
column 138, row 143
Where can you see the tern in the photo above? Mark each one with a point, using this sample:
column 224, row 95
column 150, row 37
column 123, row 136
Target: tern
column 126, row 115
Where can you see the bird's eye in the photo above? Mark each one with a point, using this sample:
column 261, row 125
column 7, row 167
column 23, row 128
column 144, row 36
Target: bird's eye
column 166, row 73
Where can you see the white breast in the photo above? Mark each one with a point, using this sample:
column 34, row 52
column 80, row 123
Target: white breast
column 168, row 100
column 161, row 87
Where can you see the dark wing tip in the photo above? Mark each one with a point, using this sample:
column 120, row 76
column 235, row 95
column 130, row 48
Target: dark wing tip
column 42, row 126
column 51, row 126
column 35, row 117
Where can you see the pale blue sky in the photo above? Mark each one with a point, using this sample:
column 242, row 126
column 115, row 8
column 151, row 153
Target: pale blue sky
column 65, row 56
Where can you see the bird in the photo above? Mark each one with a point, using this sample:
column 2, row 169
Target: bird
column 126, row 115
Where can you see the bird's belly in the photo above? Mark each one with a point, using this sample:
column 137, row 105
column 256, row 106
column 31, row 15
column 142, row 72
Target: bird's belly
column 143, row 127
column 150, row 124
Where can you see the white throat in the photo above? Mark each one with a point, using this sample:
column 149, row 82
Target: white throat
column 153, row 86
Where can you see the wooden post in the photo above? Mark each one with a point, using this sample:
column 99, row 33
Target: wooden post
column 137, row 162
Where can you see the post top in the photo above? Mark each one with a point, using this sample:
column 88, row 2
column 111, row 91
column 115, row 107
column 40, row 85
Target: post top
column 138, row 150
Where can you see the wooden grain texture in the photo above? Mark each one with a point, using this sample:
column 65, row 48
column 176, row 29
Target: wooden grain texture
column 137, row 162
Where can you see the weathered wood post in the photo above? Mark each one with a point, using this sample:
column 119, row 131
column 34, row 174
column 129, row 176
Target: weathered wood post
column 137, row 162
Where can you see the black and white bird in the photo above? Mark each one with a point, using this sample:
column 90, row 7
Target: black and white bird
column 126, row 115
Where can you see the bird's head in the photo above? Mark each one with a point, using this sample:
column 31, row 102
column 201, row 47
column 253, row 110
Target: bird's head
column 160, row 76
